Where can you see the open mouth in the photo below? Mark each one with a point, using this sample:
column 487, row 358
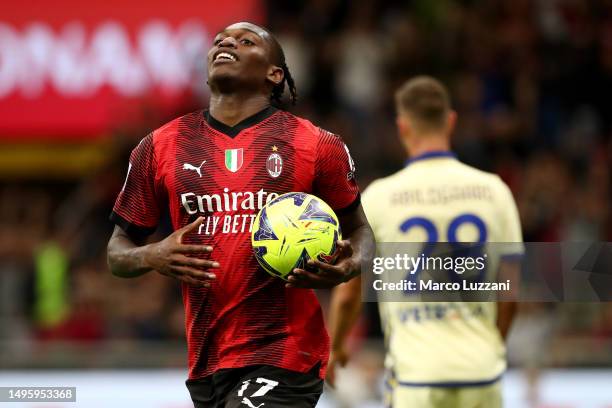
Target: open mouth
column 224, row 56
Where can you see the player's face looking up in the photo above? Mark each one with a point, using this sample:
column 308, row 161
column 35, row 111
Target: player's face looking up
column 243, row 56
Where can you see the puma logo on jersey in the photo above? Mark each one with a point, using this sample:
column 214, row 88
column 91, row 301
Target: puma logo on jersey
column 188, row 166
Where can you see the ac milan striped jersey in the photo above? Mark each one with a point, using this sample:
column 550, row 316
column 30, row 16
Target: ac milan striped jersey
column 197, row 166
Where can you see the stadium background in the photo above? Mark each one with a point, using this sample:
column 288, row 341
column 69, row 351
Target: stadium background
column 80, row 85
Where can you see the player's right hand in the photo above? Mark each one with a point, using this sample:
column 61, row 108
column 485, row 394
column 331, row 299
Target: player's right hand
column 170, row 257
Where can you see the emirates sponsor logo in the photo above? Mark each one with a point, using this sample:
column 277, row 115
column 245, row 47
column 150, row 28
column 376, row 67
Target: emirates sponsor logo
column 246, row 203
column 226, row 201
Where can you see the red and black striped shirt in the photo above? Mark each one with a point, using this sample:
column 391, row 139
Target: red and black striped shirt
column 196, row 166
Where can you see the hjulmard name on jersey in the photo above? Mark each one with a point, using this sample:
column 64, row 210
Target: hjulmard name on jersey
column 430, row 285
column 227, row 201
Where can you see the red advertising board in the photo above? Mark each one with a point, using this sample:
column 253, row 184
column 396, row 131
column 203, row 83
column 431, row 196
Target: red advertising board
column 72, row 69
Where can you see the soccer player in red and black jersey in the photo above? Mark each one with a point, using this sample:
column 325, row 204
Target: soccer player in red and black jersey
column 253, row 340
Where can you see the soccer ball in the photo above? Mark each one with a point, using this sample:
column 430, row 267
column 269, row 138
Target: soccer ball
column 290, row 230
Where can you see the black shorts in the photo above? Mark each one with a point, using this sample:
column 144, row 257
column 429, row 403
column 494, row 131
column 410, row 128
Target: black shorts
column 255, row 387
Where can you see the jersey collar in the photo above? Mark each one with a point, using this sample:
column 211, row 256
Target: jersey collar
column 431, row 155
column 232, row 131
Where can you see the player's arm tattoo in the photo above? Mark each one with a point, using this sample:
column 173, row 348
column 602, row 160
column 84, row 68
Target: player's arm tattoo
column 170, row 257
column 125, row 257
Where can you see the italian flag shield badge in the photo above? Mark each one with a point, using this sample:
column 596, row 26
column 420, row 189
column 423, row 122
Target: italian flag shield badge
column 233, row 159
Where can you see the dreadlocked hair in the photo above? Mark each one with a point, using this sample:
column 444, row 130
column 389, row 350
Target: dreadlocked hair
column 279, row 89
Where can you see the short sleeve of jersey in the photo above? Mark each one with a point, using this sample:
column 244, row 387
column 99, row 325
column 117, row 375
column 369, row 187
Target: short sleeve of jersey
column 335, row 174
column 511, row 224
column 137, row 208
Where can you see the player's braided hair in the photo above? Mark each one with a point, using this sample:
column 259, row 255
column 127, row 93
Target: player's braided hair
column 279, row 89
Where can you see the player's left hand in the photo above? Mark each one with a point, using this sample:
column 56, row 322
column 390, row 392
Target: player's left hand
column 337, row 358
column 347, row 265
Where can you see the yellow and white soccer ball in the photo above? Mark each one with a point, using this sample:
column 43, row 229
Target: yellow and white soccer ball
column 291, row 229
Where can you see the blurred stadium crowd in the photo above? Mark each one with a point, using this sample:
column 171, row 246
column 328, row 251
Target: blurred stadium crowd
column 530, row 80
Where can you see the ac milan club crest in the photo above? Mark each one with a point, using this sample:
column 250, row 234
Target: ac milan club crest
column 274, row 165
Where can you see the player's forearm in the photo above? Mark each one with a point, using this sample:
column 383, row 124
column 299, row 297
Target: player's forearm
column 362, row 241
column 358, row 231
column 505, row 315
column 509, row 270
column 126, row 259
column 345, row 309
